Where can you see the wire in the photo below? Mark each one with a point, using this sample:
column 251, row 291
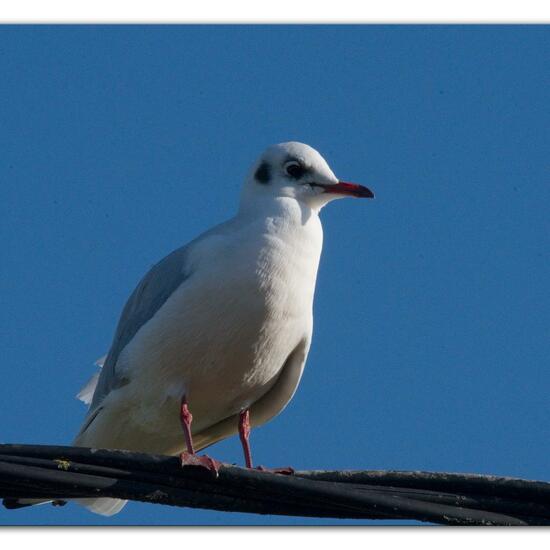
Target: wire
column 63, row 473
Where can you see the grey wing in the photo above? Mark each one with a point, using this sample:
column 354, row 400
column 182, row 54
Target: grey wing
column 148, row 297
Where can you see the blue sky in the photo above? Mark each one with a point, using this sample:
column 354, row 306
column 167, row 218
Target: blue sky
column 431, row 343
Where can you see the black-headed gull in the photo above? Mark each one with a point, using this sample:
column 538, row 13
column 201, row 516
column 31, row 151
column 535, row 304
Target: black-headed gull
column 218, row 332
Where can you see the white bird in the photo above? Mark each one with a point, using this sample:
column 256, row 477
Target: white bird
column 220, row 328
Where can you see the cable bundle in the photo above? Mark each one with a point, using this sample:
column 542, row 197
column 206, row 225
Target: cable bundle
column 61, row 473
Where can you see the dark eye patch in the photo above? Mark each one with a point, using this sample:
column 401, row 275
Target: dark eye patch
column 263, row 173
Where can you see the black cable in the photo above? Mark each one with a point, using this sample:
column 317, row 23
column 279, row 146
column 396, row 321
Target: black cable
column 62, row 473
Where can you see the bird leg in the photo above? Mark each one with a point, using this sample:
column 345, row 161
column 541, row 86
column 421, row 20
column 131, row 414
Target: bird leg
column 244, row 435
column 189, row 457
column 186, row 418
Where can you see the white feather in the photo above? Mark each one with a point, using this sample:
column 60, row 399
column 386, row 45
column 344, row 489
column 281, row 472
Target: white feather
column 86, row 394
column 102, row 506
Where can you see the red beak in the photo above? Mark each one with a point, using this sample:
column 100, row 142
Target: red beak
column 352, row 189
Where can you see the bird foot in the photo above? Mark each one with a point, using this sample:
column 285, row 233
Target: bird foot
column 285, row 470
column 204, row 461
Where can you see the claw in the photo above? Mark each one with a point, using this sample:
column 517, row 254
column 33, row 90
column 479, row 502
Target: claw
column 203, row 461
column 285, row 470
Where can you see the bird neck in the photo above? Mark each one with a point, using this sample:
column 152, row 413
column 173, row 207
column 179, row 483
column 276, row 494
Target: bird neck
column 285, row 208
column 289, row 230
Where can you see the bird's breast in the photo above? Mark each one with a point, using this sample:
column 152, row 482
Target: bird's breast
column 223, row 336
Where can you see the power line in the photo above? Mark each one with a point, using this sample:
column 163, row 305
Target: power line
column 61, row 473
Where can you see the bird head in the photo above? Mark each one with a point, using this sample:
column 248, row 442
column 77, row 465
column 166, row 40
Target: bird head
column 298, row 171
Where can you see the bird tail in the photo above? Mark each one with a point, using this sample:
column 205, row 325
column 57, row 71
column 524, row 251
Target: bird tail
column 102, row 506
column 14, row 503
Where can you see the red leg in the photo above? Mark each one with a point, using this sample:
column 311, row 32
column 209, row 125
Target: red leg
column 186, row 418
column 244, row 434
column 189, row 458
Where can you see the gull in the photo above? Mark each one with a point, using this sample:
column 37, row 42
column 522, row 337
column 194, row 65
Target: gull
column 214, row 339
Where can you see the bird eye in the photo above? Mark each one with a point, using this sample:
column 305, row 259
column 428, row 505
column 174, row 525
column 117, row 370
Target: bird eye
column 294, row 169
